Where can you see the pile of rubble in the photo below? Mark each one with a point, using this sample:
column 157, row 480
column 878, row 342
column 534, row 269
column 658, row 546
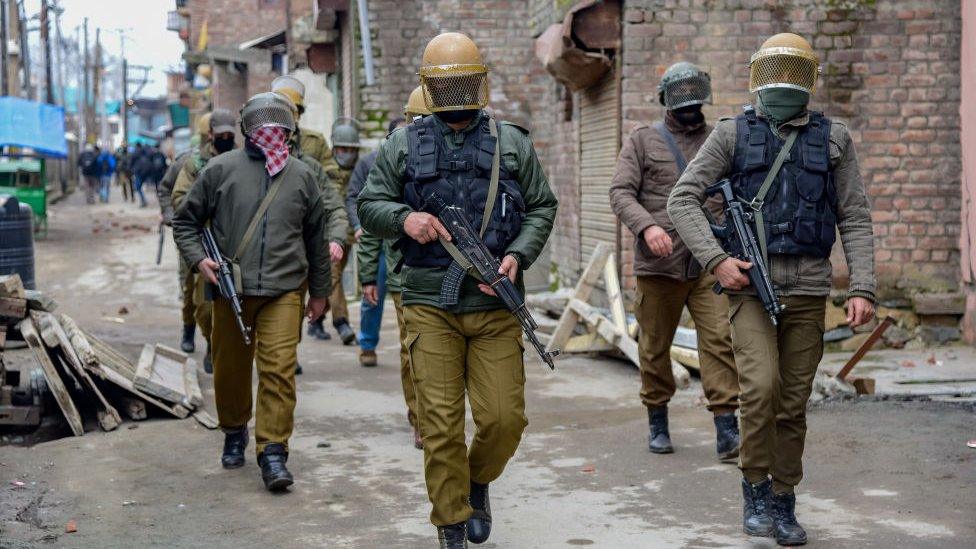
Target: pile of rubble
column 81, row 372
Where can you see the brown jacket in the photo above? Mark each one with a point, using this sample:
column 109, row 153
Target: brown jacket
column 791, row 275
column 646, row 172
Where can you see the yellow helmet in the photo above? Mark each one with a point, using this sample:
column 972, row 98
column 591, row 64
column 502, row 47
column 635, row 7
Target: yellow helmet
column 292, row 88
column 416, row 106
column 785, row 60
column 453, row 74
column 203, row 125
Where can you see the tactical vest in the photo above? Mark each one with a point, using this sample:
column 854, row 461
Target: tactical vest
column 461, row 178
column 800, row 209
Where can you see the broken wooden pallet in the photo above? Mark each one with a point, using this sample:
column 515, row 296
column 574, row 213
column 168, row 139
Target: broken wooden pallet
column 603, row 333
column 60, row 392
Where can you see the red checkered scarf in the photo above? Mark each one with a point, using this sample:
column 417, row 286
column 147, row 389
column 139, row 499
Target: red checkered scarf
column 273, row 142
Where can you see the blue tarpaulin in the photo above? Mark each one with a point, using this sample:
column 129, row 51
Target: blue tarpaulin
column 29, row 124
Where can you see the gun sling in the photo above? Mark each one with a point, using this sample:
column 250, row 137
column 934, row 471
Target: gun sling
column 757, row 202
column 253, row 226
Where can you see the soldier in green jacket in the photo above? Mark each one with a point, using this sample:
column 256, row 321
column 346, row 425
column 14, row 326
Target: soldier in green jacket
column 311, row 142
column 266, row 212
column 346, row 145
column 164, row 192
column 220, row 139
column 474, row 346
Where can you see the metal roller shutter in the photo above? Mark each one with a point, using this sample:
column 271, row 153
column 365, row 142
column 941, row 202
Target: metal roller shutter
column 599, row 135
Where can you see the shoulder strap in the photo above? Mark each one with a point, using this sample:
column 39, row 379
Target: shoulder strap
column 493, row 183
column 673, row 146
column 758, row 200
column 262, row 209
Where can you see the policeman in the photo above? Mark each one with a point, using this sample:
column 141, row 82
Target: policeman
column 266, row 212
column 798, row 171
column 166, row 208
column 668, row 277
column 345, row 143
column 474, row 346
column 338, row 226
column 311, row 142
column 219, row 139
column 374, row 275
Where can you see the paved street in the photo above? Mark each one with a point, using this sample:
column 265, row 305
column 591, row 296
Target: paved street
column 878, row 474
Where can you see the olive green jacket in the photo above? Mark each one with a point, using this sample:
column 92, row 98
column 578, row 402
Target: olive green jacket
column 792, row 275
column 190, row 169
column 338, row 226
column 314, row 145
column 289, row 246
column 368, row 258
column 340, row 177
column 382, row 210
column 168, row 183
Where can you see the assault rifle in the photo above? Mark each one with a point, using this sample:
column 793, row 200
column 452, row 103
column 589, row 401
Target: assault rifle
column 739, row 240
column 225, row 282
column 485, row 266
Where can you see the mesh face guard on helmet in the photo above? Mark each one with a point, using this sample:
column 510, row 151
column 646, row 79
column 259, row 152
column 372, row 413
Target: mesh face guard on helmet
column 454, row 87
column 689, row 87
column 267, row 109
column 783, row 67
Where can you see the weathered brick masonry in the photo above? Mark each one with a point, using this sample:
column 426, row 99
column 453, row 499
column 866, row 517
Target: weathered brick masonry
column 890, row 71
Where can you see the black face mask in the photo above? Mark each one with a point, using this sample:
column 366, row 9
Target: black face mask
column 690, row 115
column 455, row 117
column 223, row 144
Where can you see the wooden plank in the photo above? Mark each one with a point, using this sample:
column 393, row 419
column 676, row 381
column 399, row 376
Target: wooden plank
column 108, row 417
column 13, row 307
column 204, row 418
column 160, row 372
column 587, row 343
column 11, row 286
column 614, row 295
column 686, row 357
column 191, row 377
column 54, row 382
column 584, row 287
column 40, row 301
column 865, row 347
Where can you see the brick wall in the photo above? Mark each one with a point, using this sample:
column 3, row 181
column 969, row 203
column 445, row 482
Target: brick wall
column 890, row 71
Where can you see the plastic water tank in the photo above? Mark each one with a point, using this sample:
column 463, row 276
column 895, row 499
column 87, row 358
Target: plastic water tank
column 16, row 240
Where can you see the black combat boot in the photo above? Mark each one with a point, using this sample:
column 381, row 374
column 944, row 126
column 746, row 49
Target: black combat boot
column 346, row 333
column 298, row 368
column 317, row 330
column 788, row 531
column 187, row 343
column 756, row 520
column 208, row 361
column 479, row 524
column 727, row 436
column 452, row 536
column 659, row 441
column 273, row 471
column 234, row 444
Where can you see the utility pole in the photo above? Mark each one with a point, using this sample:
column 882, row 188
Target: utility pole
column 125, row 100
column 87, row 84
column 97, row 106
column 59, row 39
column 46, row 42
column 4, row 83
column 288, row 38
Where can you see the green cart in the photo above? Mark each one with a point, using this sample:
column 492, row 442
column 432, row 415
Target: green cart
column 25, row 179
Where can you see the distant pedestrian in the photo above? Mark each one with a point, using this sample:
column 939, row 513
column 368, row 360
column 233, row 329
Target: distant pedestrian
column 159, row 166
column 123, row 173
column 90, row 171
column 106, row 161
column 141, row 170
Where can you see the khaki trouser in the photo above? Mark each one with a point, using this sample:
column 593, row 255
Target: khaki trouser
column 337, row 299
column 480, row 352
column 409, row 393
column 776, row 369
column 274, row 323
column 660, row 301
column 187, row 283
column 202, row 308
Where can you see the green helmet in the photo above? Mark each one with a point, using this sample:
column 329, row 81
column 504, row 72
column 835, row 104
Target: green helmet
column 345, row 133
column 684, row 84
column 266, row 109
